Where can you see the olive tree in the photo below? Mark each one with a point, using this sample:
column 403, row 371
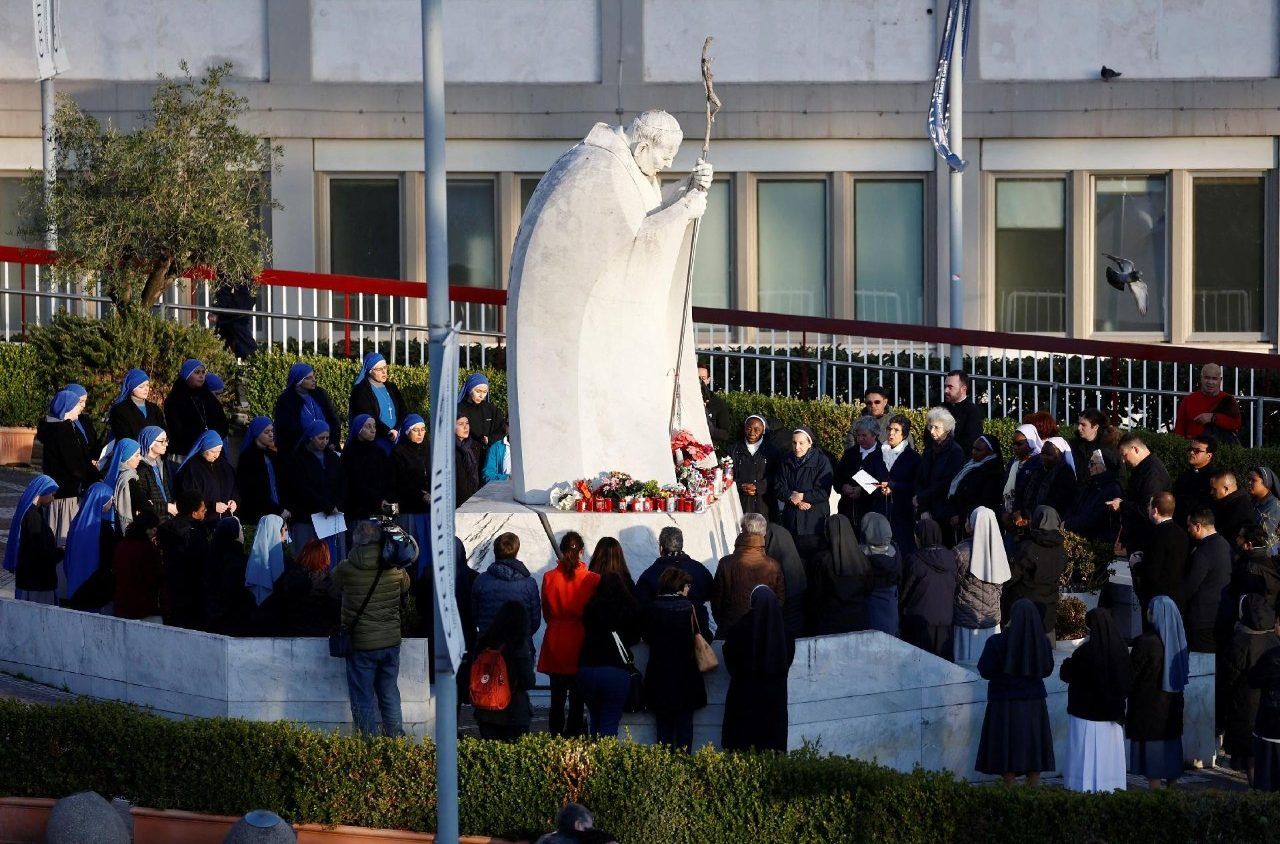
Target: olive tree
column 181, row 192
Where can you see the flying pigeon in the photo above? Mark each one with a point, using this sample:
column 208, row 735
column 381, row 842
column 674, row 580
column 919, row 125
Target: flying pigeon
column 1108, row 74
column 1128, row 276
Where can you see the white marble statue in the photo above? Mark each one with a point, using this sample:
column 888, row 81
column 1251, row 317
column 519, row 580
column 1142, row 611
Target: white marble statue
column 596, row 298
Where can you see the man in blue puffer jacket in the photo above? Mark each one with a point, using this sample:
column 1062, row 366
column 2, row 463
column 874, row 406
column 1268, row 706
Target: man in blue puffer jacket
column 506, row 579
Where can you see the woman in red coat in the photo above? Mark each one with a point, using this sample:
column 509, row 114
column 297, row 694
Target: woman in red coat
column 565, row 592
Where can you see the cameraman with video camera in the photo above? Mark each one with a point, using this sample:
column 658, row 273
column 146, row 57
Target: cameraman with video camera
column 374, row 582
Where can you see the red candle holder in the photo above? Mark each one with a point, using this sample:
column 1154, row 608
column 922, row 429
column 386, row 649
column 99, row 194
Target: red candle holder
column 582, row 505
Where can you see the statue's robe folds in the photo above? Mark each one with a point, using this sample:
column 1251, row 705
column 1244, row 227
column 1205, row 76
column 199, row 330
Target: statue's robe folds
column 596, row 297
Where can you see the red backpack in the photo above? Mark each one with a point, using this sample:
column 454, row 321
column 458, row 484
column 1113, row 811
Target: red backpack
column 490, row 688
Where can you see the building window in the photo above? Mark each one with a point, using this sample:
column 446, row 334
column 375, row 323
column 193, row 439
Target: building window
column 528, row 184
column 12, row 192
column 889, row 250
column 1031, row 255
column 472, row 233
column 1130, row 222
column 364, row 239
column 713, row 269
column 1229, row 219
column 792, row 242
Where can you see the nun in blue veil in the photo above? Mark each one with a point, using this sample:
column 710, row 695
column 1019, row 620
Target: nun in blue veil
column 32, row 553
column 374, row 395
column 90, row 544
column 132, row 410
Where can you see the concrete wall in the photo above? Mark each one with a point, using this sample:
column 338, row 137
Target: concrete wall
column 796, row 41
column 184, row 673
column 871, row 696
column 500, row 41
column 136, row 39
column 1143, row 39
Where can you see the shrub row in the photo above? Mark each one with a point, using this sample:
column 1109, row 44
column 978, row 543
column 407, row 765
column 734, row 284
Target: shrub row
column 638, row 792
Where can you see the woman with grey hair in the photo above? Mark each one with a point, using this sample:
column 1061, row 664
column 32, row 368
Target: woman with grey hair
column 939, row 465
column 862, row 455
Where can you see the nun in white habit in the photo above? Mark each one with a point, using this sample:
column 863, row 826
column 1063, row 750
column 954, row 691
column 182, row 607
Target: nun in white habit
column 983, row 567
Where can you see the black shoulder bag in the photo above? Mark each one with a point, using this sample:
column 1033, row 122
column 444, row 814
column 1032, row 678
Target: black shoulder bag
column 340, row 642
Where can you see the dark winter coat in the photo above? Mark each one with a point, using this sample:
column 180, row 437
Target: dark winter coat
column 411, row 475
column 38, row 553
column 1164, row 565
column 612, row 609
column 929, row 589
column 982, row 487
column 215, row 482
column 316, row 484
column 1055, row 488
column 252, row 482
column 810, row 476
column 699, row 589
column 125, row 421
column 1082, row 450
column 1232, row 513
column 672, row 682
column 505, row 580
column 780, row 545
column 189, row 413
column 68, row 455
column 227, row 601
column 1145, row 480
column 155, row 489
column 851, row 462
column 1153, row 714
column 1092, row 518
column 184, row 550
column 1091, row 696
column 379, row 626
column 1026, row 470
column 486, row 421
column 135, row 562
column 363, row 400
column 1265, row 676
column 757, row 469
column 468, row 457
column 1207, row 580
column 287, row 419
column 367, row 472
column 938, row 466
column 1253, row 637
column 1191, row 492
column 308, row 603
column 897, row 506
column 718, row 418
column 838, row 602
column 737, row 575
column 1036, row 566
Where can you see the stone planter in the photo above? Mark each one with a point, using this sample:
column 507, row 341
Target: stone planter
column 16, row 445
column 22, row 821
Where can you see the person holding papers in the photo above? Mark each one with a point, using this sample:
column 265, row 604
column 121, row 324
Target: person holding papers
column 859, row 469
column 317, row 488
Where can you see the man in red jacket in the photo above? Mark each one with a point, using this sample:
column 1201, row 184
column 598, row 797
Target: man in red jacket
column 1209, row 407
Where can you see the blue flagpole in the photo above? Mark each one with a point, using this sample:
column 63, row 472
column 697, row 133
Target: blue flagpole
column 956, row 179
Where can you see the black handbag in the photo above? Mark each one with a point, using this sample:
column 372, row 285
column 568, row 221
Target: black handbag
column 341, row 644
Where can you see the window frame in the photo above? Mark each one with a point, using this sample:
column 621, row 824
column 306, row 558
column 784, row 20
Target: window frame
column 1093, row 250
column 991, row 310
column 928, row 245
column 1269, row 291
column 828, row 181
column 324, row 246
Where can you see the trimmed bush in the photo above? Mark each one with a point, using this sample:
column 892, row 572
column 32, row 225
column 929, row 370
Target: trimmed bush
column 22, row 401
column 98, row 352
column 638, row 792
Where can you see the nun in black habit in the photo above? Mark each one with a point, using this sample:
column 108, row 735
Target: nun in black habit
column 207, row 471
column 191, row 408
column 1016, row 738
column 757, row 655
column 367, row 470
column 841, row 581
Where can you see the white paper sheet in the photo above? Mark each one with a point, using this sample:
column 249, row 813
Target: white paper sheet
column 327, row 526
column 865, row 480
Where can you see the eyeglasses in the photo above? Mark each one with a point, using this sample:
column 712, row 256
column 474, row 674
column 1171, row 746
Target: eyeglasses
column 160, row 441
column 1194, row 450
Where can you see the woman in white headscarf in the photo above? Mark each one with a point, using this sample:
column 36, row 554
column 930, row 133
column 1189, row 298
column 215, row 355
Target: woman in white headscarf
column 1025, row 463
column 981, row 567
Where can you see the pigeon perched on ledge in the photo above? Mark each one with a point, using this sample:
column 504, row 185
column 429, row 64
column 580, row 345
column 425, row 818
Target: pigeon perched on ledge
column 1126, row 275
column 1108, row 74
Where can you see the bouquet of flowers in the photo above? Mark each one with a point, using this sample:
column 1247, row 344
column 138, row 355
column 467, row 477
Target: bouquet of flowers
column 690, row 479
column 565, row 497
column 686, row 450
column 616, row 485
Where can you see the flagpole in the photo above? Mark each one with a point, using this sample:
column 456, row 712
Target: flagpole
column 956, row 181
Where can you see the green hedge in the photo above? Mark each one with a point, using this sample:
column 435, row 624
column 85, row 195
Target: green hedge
column 22, row 399
column 638, row 792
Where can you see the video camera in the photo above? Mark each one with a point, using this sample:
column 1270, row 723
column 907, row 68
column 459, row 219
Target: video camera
column 398, row 548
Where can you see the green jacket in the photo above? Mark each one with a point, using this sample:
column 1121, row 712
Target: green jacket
column 379, row 627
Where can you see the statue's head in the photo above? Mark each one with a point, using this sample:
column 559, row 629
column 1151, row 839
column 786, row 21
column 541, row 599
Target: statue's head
column 654, row 137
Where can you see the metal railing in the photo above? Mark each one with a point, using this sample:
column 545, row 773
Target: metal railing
column 805, row 357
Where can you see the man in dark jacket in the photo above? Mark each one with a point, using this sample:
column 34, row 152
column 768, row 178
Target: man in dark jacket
column 506, row 579
column 374, row 667
column 1254, row 570
column 1207, row 579
column 717, row 411
column 1191, row 489
column 1232, row 507
column 968, row 416
column 671, row 555
column 742, row 571
column 1147, row 476
column 754, row 462
column 779, row 545
column 929, row 592
column 1162, row 566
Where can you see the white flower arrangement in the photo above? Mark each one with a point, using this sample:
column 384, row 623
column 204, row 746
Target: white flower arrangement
column 564, row 497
